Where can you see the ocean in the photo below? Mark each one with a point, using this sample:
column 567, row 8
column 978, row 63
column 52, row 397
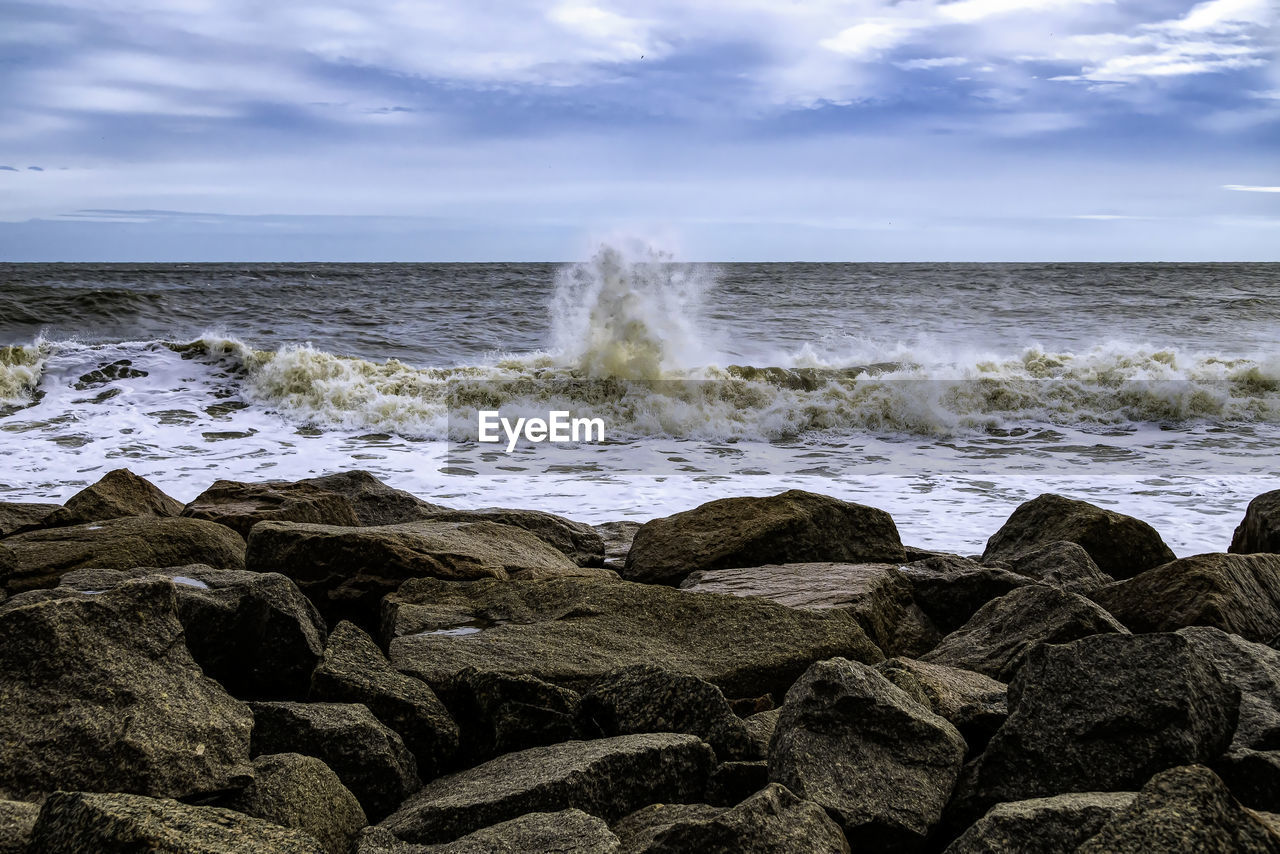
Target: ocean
column 945, row 394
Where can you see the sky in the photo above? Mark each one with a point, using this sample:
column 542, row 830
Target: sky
column 474, row 130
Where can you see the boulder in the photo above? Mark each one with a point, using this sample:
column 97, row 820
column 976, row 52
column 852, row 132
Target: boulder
column 1253, row 776
column 1184, row 809
column 119, row 493
column 772, row 820
column 99, row 692
column 975, row 704
column 240, row 506
column 997, row 639
column 17, row 819
column 647, row 698
column 571, row 631
column 372, row 501
column 950, row 590
column 1102, row 713
column 761, row 726
column 124, row 824
column 354, row 670
column 581, row 543
column 882, row 764
column 253, row 632
column 1239, row 594
column 617, row 537
column 1041, row 825
column 1255, row 670
column 794, row 527
column 347, row 571
column 368, row 758
column 733, row 782
column 16, row 517
column 876, row 595
column 1120, row 545
column 504, row 713
column 608, row 777
column 39, row 558
column 302, row 792
column 570, row 831
column 1061, row 564
column 1259, row 531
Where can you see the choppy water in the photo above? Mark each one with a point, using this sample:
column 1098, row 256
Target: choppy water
column 945, row 394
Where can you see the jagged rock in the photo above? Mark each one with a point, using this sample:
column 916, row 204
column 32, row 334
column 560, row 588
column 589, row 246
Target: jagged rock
column 881, row 763
column 997, row 639
column 1041, row 825
column 72, row 822
column 733, row 782
column 17, row 818
column 253, row 632
column 370, row 759
column 570, row 631
column 119, row 493
column 1061, row 564
column 875, row 594
column 1102, row 713
column 1184, row 809
column 1255, row 670
column 794, row 527
column 39, row 558
column 950, row 590
column 772, row 820
column 16, row 517
column 346, row 571
column 569, row 831
column 761, row 726
column 607, row 777
column 121, row 369
column 504, row 713
column 1253, row 776
column 1120, row 545
column 301, row 792
column 1259, row 531
column 575, row 540
column 1236, row 593
column 974, row 704
column 647, row 698
column 617, row 537
column 100, row 693
column 372, row 501
column 240, row 506
column 354, row 670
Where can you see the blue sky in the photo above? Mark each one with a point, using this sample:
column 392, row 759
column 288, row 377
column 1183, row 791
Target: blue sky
column 726, row 129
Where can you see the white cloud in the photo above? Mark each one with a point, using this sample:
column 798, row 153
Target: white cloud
column 1248, row 188
column 931, row 63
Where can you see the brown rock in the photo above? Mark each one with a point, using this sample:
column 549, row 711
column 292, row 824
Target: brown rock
column 240, row 506
column 1259, row 531
column 119, row 493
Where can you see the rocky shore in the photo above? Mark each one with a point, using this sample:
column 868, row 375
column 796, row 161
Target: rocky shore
column 334, row 666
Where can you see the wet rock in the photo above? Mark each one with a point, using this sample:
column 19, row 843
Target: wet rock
column 581, row 543
column 974, row 704
column 373, row 502
column 39, row 558
column 16, row 517
column 608, row 777
column 369, row 759
column 301, row 792
column 1120, row 545
column 647, row 698
column 617, row 537
column 571, row 631
column 17, row 818
column 733, row 782
column 504, row 713
column 1253, row 776
column 119, row 493
column 121, row 369
column 1255, row 670
column 1259, row 531
column 1184, row 809
column 240, row 506
column 570, row 831
column 876, row 595
column 125, row 824
column 100, row 693
column 1236, row 593
column 950, row 590
column 997, row 639
column 1041, row 825
column 881, row 763
column 794, row 527
column 1061, row 564
column 354, row 670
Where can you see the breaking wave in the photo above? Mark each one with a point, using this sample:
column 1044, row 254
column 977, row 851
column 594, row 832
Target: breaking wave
column 20, row 370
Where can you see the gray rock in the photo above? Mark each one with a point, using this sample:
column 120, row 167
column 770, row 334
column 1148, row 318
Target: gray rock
column 617, row 537
column 581, row 543
column 301, row 792
column 240, row 506
column 1255, row 670
column 119, row 493
column 1120, row 545
column 975, row 704
column 17, row 819
column 880, row 762
column 1061, row 564
column 998, row 638
column 569, row 831
column 16, row 517
column 1041, row 825
column 794, row 527
column 504, row 713
column 1253, row 776
column 761, row 726
column 372, row 501
column 607, row 777
column 951, row 589
column 1259, row 530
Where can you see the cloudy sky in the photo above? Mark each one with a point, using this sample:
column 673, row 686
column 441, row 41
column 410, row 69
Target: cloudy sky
column 729, row 129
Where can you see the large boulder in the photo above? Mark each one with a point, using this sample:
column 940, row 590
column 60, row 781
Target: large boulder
column 772, row 820
column 301, row 792
column 607, row 777
column 571, row 631
column 16, row 517
column 1187, row 810
column 1236, row 593
column 240, row 506
column 1102, row 713
column 253, row 632
column 976, row 705
column 17, row 819
column 347, row 571
column 577, row 541
column 794, row 527
column 998, row 638
column 368, row 758
column 506, row 712
column 372, row 501
column 1255, row 670
column 1120, row 545
column 1061, row 564
column 1041, row 825
column 72, row 822
column 354, row 670
column 877, row 760
column 570, row 831
column 39, row 558
column 874, row 594
column 1259, row 531
column 99, row 692
column 119, row 493
column 950, row 590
